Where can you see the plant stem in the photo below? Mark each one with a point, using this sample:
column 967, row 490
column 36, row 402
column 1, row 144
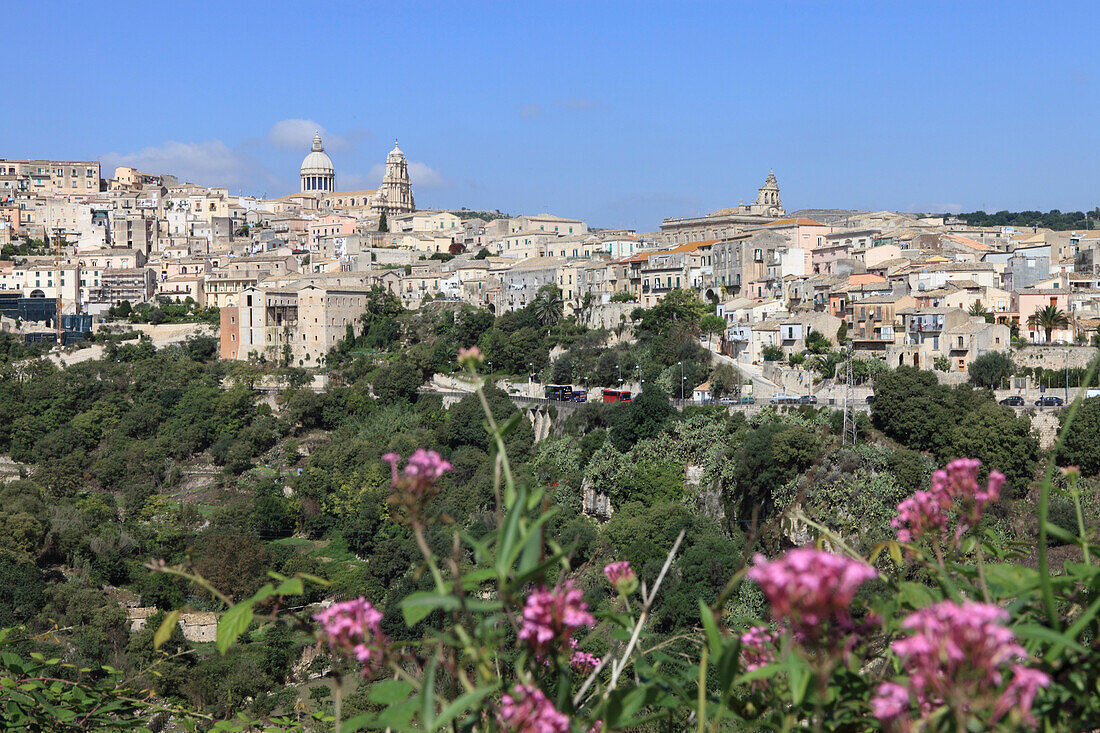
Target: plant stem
column 338, row 700
column 1082, row 536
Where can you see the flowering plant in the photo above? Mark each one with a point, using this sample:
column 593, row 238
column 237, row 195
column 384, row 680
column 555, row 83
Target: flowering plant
column 940, row 629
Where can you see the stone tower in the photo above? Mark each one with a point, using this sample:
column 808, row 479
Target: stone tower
column 767, row 198
column 395, row 194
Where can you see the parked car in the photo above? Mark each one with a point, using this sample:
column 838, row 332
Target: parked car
column 750, row 400
column 1049, row 401
column 807, row 399
column 783, row 399
column 1013, row 401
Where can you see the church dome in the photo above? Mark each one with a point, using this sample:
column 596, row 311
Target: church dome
column 317, row 162
column 396, row 152
column 318, row 173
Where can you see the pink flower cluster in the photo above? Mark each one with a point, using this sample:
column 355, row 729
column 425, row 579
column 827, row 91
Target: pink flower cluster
column 550, row 617
column 622, row 576
column 421, row 473
column 925, row 513
column 956, row 656
column 355, row 628
column 470, row 358
column 807, row 588
column 757, row 648
column 527, row 710
column 583, row 662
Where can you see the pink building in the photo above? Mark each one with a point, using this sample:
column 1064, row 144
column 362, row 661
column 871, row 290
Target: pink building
column 330, row 226
column 1029, row 301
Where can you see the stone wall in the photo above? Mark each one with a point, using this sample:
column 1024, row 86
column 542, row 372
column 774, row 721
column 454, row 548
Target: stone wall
column 1044, row 424
column 1053, row 357
column 606, row 315
column 197, row 626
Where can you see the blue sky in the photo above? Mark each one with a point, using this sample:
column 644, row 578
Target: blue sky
column 620, row 113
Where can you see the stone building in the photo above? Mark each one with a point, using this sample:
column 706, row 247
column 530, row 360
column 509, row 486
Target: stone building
column 767, row 208
column 317, row 191
column 317, row 172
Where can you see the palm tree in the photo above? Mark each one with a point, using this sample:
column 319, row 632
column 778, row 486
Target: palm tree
column 977, row 309
column 548, row 306
column 1048, row 318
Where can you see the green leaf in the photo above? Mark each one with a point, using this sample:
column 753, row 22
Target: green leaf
column 262, row 594
column 290, row 587
column 1049, row 635
column 359, row 722
column 460, row 706
column 475, row 578
column 427, row 696
column 915, row 595
column 316, row 580
column 396, row 716
column 710, row 626
column 166, row 628
column 232, row 624
column 895, row 552
column 418, row 605
column 388, row 692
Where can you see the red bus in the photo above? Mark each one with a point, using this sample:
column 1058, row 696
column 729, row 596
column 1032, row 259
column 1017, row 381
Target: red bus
column 616, row 395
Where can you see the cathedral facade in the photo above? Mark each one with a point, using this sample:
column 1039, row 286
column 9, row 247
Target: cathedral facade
column 317, row 177
column 766, row 208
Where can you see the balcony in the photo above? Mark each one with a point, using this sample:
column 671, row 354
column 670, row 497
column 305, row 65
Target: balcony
column 926, row 325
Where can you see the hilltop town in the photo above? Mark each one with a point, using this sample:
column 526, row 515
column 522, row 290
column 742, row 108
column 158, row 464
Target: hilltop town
column 284, row 277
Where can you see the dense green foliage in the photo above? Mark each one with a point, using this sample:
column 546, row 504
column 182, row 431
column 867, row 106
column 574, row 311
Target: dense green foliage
column 991, row 369
column 1053, row 219
column 167, row 454
column 913, row 408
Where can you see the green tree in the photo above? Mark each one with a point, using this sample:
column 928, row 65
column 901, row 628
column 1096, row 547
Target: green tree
column 548, row 305
column 1081, row 445
column 768, row 457
column 383, row 223
column 22, row 590
column 990, row 369
column 723, row 380
column 712, row 325
column 645, row 417
column 1048, row 318
column 817, row 342
column 678, row 312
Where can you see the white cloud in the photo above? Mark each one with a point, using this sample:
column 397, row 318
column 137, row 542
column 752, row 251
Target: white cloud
column 297, row 135
column 530, row 111
column 422, row 175
column 211, row 163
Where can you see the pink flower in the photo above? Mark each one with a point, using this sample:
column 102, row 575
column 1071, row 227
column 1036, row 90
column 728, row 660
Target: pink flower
column 954, row 488
column 956, row 656
column 470, row 358
column 807, row 588
column 422, row 471
column 1020, row 693
column 527, row 710
column 919, row 516
column 622, row 576
column 757, row 648
column 583, row 662
column 550, row 617
column 355, row 628
column 891, row 702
